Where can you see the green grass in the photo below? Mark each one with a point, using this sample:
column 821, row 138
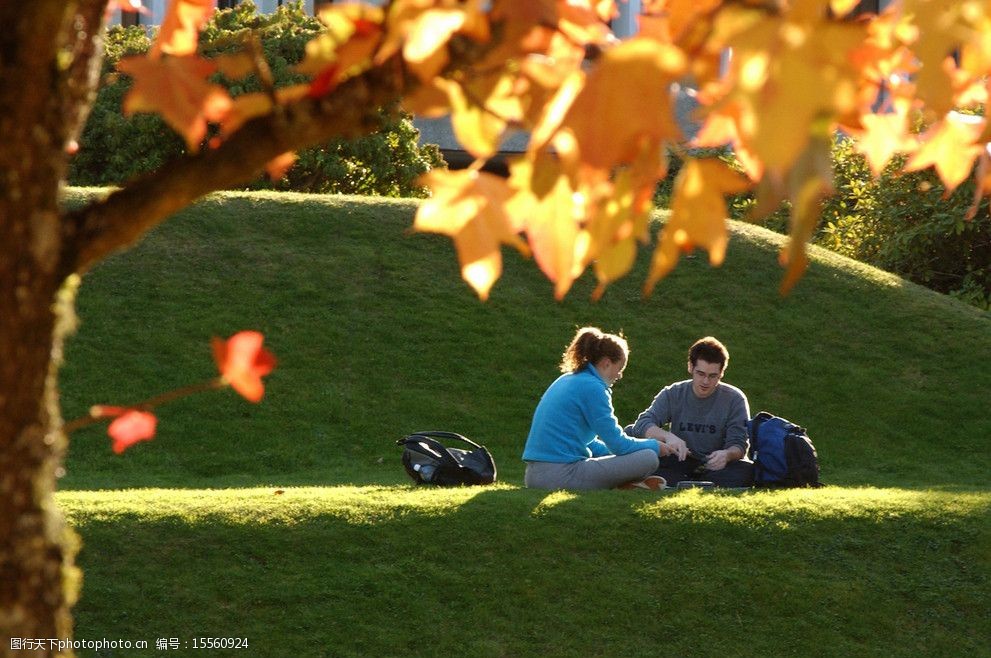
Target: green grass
column 377, row 336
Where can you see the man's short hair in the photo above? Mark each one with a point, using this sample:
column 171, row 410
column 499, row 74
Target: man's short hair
column 708, row 349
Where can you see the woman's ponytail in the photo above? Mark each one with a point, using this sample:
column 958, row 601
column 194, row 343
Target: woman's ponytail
column 589, row 345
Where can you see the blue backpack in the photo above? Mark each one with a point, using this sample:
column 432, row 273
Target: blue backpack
column 782, row 452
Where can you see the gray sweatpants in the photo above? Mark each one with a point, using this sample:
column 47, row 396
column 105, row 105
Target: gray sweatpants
column 595, row 473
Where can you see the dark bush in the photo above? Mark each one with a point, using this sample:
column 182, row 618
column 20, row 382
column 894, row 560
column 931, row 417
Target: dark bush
column 898, row 222
column 902, row 223
column 114, row 148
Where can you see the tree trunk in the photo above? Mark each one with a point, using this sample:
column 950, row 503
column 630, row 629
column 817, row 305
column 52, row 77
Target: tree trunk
column 48, row 53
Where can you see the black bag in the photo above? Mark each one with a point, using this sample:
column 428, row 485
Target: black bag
column 782, row 452
column 428, row 461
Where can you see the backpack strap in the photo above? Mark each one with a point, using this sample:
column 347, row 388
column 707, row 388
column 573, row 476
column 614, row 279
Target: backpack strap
column 439, row 434
column 435, row 446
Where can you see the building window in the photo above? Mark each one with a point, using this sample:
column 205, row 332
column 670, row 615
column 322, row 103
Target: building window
column 130, row 18
column 226, row 4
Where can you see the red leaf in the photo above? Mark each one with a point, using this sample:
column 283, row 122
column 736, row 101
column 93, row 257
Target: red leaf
column 325, row 81
column 243, row 362
column 131, row 427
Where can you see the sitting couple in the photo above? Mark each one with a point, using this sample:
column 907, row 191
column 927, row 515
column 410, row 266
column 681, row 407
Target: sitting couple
column 575, row 441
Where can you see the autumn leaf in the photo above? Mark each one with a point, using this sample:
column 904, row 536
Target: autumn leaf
column 607, row 120
column 130, row 427
column 698, row 215
column 809, row 182
column 982, row 188
column 277, row 167
column 843, row 7
column 235, row 66
column 177, row 89
column 248, row 106
column 242, row 362
column 344, row 49
column 422, row 29
column 469, row 206
column 477, row 129
column 127, row 6
column 883, row 136
column 179, row 33
column 789, row 71
column 545, row 196
column 608, row 239
column 950, row 147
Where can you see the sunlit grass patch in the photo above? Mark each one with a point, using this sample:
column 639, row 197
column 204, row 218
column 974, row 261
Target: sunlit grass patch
column 363, row 569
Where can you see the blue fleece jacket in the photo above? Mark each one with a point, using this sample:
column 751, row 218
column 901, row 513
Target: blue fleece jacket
column 573, row 411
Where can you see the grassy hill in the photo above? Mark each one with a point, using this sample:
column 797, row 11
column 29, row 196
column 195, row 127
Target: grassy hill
column 377, row 336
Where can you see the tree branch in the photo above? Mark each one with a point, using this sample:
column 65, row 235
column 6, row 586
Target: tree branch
column 96, row 230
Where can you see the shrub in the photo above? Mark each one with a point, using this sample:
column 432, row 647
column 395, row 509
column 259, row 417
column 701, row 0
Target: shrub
column 903, row 224
column 898, row 222
column 114, row 148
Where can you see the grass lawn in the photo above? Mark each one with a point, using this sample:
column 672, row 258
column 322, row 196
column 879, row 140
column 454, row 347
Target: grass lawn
column 186, row 536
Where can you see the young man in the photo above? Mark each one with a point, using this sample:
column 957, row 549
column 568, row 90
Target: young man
column 707, row 422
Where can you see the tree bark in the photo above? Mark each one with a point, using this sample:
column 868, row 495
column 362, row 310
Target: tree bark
column 48, row 53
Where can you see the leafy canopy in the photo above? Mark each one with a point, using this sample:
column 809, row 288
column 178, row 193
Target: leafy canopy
column 600, row 126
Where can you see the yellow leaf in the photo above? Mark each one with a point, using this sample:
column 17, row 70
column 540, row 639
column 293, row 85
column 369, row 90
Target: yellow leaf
column 470, row 207
column 698, row 215
column 843, row 7
column 179, row 33
column 555, row 110
column 620, row 219
column 477, row 129
column 544, row 197
column 423, row 28
column 950, row 146
column 809, row 181
column 883, row 136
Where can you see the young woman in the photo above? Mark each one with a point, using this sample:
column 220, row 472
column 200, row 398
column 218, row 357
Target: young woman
column 575, row 441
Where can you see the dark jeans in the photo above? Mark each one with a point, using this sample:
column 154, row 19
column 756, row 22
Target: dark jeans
column 738, row 473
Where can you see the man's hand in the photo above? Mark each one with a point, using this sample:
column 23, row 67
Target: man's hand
column 677, row 446
column 719, row 458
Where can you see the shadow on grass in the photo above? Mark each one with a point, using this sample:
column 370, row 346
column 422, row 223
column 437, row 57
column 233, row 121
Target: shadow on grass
column 514, row 572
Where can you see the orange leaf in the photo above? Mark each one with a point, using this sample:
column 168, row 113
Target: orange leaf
column 177, row 89
column 235, row 66
column 607, row 120
column 346, row 47
column 243, row 362
column 179, row 33
column 127, row 6
column 470, row 207
column 131, row 427
column 698, row 215
column 277, row 167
